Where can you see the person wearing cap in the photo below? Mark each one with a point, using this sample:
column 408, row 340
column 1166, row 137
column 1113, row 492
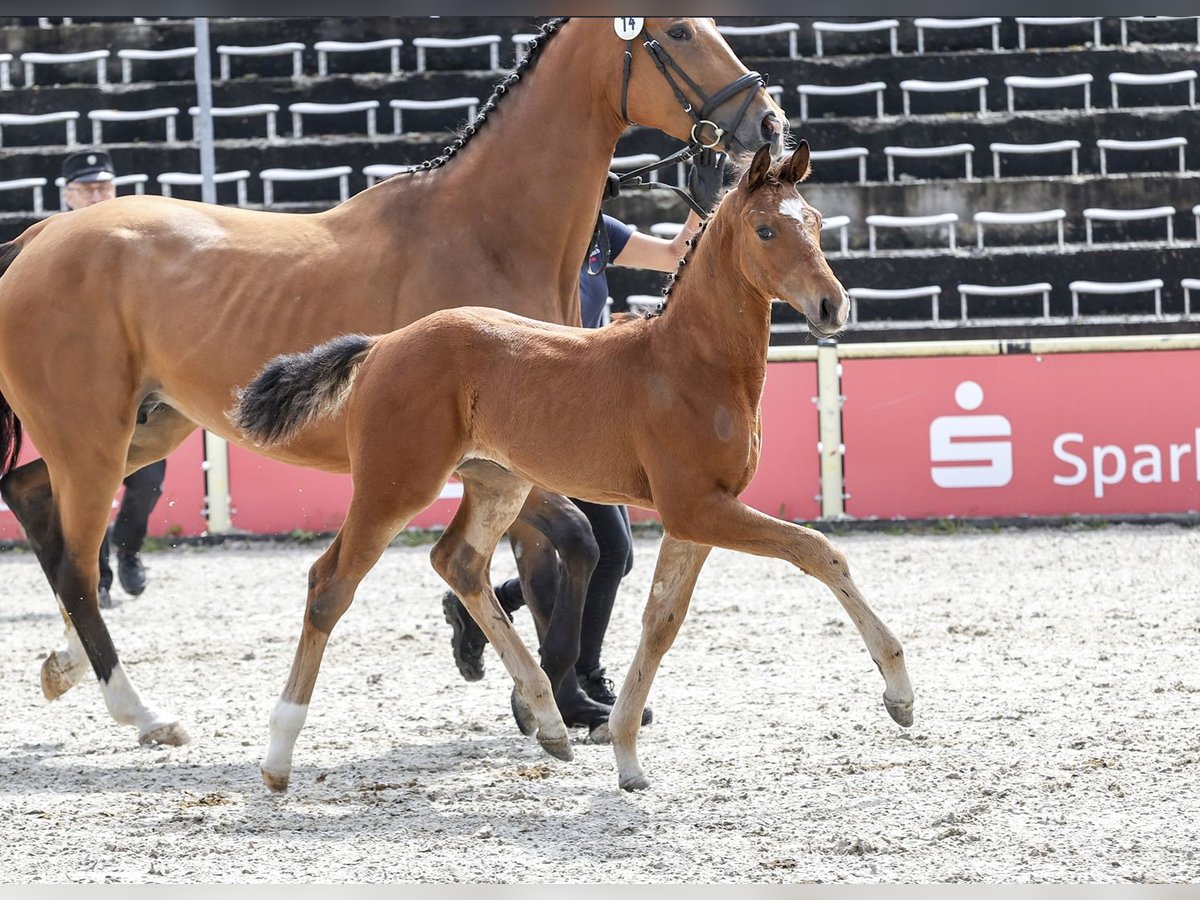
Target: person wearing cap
column 89, row 179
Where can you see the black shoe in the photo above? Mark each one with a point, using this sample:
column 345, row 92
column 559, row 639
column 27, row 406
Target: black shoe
column 106, row 600
column 131, row 573
column 468, row 640
column 600, row 689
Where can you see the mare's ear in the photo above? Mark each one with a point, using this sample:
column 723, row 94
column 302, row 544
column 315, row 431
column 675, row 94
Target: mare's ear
column 756, row 176
column 797, row 167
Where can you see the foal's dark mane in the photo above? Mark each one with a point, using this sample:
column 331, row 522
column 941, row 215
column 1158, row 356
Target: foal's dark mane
column 466, row 132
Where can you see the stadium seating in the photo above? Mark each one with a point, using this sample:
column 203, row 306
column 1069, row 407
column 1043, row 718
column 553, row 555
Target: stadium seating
column 1100, row 214
column 1041, row 288
column 10, row 120
column 926, row 23
column 964, row 150
column 1036, row 217
column 470, row 104
column 6, row 71
column 32, row 59
column 491, row 41
column 859, row 294
column 858, row 153
column 169, row 180
column 36, row 185
column 1068, row 22
column 287, row 48
column 1172, row 143
column 841, row 90
column 889, row 25
column 922, row 86
column 99, row 116
column 270, row 176
column 267, row 110
column 948, row 219
column 1063, row 146
column 791, row 29
column 325, row 48
column 1055, row 82
column 129, row 56
column 1136, row 79
column 1110, row 288
column 1140, row 20
column 299, row 110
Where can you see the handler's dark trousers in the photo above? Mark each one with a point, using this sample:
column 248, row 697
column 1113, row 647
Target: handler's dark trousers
column 142, row 490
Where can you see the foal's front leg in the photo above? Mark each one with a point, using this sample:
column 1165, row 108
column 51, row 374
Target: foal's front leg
column 724, row 521
column 675, row 574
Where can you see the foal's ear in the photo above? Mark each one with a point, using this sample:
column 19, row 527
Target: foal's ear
column 797, row 168
column 756, row 176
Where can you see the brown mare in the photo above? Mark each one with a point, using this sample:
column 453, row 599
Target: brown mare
column 126, row 325
column 502, row 400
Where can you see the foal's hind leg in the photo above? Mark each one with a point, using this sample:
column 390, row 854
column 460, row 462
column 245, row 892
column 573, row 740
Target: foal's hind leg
column 675, row 573
column 492, row 497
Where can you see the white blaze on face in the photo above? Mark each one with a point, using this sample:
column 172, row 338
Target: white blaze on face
column 793, row 208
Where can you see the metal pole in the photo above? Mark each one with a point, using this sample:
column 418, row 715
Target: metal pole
column 216, row 451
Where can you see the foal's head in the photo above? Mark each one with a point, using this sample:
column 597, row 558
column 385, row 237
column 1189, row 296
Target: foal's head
column 778, row 240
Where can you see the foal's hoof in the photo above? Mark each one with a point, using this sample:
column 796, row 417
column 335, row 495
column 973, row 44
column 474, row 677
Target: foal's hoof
column 901, row 711
column 171, row 734
column 276, row 784
column 601, row 734
column 558, row 747
column 59, row 675
column 635, row 783
column 526, row 720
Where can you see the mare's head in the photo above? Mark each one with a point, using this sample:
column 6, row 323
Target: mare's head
column 677, row 61
column 777, row 236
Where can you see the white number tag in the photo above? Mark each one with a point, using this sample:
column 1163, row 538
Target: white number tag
column 628, row 27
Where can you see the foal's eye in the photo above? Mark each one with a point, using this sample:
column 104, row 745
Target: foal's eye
column 766, row 232
column 680, row 33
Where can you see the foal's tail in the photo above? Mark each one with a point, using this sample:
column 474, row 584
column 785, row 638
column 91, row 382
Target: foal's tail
column 10, row 426
column 296, row 388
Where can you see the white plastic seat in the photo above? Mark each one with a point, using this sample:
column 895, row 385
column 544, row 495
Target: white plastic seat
column 924, row 23
column 1024, row 22
column 6, row 71
column 841, row 90
column 137, row 179
column 937, row 219
column 168, row 180
column 99, row 57
column 470, row 104
column 521, row 41
column 100, row 116
column 1100, row 214
column 666, row 230
column 67, row 116
column 1054, row 82
column 1110, row 288
column 128, row 57
column 299, row 110
column 1135, row 79
column 1000, row 147
column 295, row 48
column 266, row 110
column 636, row 161
column 1171, row 143
column 888, row 25
column 964, row 150
column 270, row 176
column 1037, row 217
column 36, row 185
column 1189, row 285
column 1004, row 290
column 324, row 48
column 857, row 294
column 644, row 304
column 491, row 41
column 1125, row 20
column 921, row 86
column 791, row 29
column 859, row 153
column 378, row 171
column 840, row 224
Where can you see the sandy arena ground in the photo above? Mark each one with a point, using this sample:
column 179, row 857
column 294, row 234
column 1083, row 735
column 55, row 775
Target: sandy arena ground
column 1057, row 734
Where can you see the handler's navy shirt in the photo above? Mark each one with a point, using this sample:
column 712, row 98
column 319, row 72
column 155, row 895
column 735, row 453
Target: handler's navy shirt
column 593, row 289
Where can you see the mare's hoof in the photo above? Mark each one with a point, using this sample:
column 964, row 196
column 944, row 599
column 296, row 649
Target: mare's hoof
column 58, row 675
column 559, row 748
column 276, row 784
column 902, row 712
column 526, row 720
column 171, row 734
column 635, row 783
column 601, row 733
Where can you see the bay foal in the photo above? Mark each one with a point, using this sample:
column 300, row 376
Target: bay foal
column 500, row 399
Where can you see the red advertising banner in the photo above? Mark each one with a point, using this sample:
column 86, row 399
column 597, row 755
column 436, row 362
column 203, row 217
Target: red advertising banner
column 788, row 480
column 1071, row 433
column 180, row 509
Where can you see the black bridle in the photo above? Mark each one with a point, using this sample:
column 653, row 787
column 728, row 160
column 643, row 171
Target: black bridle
column 750, row 82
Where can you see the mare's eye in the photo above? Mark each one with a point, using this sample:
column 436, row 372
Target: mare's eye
column 680, row 33
column 766, row 232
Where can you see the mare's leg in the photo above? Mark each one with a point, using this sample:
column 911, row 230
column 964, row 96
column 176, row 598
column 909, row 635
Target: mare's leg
column 675, row 573
column 492, row 498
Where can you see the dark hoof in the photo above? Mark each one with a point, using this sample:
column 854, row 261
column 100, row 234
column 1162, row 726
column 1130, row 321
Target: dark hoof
column 526, row 721
column 467, row 641
column 902, row 713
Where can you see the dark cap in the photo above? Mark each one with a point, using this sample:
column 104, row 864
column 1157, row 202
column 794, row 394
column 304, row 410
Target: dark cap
column 87, row 166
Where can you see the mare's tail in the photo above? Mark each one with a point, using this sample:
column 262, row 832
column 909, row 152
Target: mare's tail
column 296, row 388
column 10, row 426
